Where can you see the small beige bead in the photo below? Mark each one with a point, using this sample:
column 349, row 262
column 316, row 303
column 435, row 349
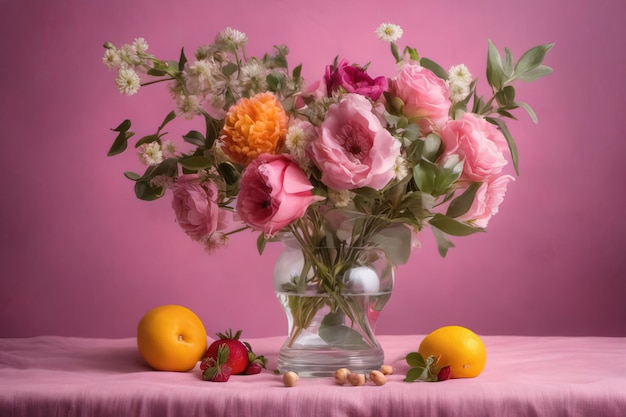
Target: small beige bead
column 378, row 378
column 386, row 369
column 356, row 379
column 290, row 379
column 341, row 375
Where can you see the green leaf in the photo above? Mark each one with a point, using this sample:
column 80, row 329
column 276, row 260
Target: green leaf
column 228, row 172
column 432, row 147
column 296, row 73
column 532, row 58
column 414, row 374
column 506, row 96
column 213, row 128
column 412, row 52
column 509, row 139
column 535, row 73
column 508, row 63
column 529, row 110
column 120, row 143
column 434, row 67
column 425, row 175
column 156, row 72
column 123, row 127
column 182, row 60
column 132, row 175
column 196, row 163
column 443, row 243
column 147, row 139
column 495, row 71
column 414, row 359
column 394, row 52
column 170, row 116
column 260, row 243
column 453, row 227
column 195, row 138
column 460, row 205
column 395, row 241
column 144, row 190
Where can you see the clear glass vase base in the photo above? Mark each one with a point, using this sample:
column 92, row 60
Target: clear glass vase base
column 323, row 362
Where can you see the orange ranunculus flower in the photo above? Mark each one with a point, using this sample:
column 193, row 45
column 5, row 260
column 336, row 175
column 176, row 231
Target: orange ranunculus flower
column 254, row 126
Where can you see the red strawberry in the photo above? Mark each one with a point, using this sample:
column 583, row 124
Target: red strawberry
column 253, row 368
column 237, row 359
column 257, row 363
column 216, row 369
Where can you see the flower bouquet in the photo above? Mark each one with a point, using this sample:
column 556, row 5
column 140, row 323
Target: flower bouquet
column 344, row 170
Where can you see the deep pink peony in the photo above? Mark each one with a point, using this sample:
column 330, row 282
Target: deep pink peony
column 487, row 201
column 353, row 79
column 353, row 148
column 479, row 143
column 195, row 205
column 426, row 97
column 274, row 191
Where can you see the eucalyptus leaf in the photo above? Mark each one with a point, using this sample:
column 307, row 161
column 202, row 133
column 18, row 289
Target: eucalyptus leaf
column 495, row 71
column 443, row 243
column 425, row 175
column 529, row 110
column 170, row 116
column 460, row 205
column 395, row 241
column 535, row 73
column 453, row 227
column 434, row 67
column 532, row 58
column 147, row 139
column 509, row 139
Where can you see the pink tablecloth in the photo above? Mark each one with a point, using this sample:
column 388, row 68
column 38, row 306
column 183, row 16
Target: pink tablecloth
column 525, row 376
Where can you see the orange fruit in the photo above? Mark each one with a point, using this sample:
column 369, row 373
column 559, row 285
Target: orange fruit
column 457, row 347
column 171, row 338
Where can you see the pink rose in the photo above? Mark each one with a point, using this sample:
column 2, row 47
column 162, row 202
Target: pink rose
column 195, row 205
column 488, row 198
column 426, row 97
column 353, row 148
column 353, row 79
column 479, row 143
column 274, row 191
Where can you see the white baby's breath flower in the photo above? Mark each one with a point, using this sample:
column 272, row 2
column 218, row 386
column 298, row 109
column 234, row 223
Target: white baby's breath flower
column 169, row 149
column 389, row 32
column 459, row 74
column 112, row 58
column 214, row 241
column 400, row 168
column 188, row 106
column 139, row 46
column 233, row 38
column 340, row 199
column 458, row 91
column 253, row 77
column 127, row 81
column 150, row 153
column 299, row 135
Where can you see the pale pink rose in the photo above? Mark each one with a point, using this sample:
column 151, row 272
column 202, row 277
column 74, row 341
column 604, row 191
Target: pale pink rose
column 195, row 205
column 426, row 97
column 479, row 143
column 353, row 149
column 488, row 198
column 274, row 192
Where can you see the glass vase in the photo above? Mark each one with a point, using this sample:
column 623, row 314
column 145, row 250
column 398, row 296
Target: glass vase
column 332, row 298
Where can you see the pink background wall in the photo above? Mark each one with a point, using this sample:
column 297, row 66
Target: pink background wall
column 80, row 256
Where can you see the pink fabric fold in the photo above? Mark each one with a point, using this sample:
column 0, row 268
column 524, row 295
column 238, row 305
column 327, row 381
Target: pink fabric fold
column 525, row 376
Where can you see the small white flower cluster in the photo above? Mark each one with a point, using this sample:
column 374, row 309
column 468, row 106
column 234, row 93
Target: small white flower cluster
column 459, row 81
column 128, row 61
column 154, row 153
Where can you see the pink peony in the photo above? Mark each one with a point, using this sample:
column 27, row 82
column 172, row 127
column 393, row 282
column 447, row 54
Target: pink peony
column 195, row 205
column 479, row 143
column 353, row 148
column 488, row 198
column 426, row 97
column 273, row 192
column 353, row 79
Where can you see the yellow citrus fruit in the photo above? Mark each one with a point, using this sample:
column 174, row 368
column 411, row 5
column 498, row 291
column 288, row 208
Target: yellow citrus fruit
column 457, row 347
column 171, row 338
